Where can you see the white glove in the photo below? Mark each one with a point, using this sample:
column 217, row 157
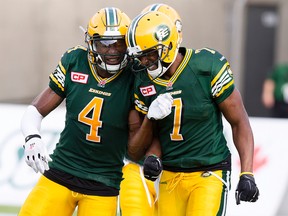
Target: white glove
column 160, row 107
column 36, row 155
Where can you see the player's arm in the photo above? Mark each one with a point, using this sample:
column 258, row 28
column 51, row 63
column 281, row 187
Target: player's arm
column 235, row 113
column 152, row 166
column 47, row 101
column 140, row 135
column 35, row 151
column 268, row 93
column 155, row 148
column 141, row 138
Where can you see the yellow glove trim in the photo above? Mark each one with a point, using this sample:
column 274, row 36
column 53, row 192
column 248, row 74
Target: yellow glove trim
column 246, row 173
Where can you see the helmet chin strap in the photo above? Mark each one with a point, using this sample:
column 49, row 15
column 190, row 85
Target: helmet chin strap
column 158, row 72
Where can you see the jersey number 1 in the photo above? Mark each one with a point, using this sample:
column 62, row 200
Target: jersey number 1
column 175, row 135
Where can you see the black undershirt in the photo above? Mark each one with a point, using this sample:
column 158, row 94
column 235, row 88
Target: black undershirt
column 79, row 185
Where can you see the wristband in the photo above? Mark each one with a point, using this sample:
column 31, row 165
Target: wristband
column 152, row 155
column 246, row 173
column 31, row 136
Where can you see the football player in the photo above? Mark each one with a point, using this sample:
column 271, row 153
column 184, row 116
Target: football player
column 195, row 156
column 138, row 195
column 85, row 169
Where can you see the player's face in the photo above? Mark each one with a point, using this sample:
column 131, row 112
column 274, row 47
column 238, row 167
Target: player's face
column 149, row 59
column 111, row 51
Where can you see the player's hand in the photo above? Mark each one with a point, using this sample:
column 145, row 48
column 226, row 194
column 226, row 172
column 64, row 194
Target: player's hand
column 36, row 155
column 152, row 167
column 246, row 189
column 160, row 107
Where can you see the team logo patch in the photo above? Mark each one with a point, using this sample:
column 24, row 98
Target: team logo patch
column 102, row 83
column 162, row 32
column 148, row 90
column 169, row 86
column 79, row 77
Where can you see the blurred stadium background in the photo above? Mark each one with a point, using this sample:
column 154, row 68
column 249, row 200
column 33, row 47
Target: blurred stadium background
column 252, row 34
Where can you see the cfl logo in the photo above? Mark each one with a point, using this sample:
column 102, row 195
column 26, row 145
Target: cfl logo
column 79, row 77
column 148, row 90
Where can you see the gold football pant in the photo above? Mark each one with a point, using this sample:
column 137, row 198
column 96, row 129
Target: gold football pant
column 49, row 198
column 195, row 193
column 137, row 194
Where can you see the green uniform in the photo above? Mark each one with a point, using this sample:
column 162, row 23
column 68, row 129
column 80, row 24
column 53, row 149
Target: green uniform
column 280, row 77
column 94, row 141
column 192, row 135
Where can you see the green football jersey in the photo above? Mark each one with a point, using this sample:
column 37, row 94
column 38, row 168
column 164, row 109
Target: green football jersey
column 192, row 135
column 94, row 141
column 280, row 77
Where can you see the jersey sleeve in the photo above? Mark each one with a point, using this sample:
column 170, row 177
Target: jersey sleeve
column 222, row 81
column 141, row 104
column 58, row 77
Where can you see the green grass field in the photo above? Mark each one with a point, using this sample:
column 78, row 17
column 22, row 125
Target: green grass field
column 11, row 210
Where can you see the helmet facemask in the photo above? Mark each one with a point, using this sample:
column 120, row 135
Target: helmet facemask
column 161, row 65
column 100, row 59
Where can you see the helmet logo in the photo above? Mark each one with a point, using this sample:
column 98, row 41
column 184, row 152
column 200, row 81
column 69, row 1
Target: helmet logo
column 162, row 33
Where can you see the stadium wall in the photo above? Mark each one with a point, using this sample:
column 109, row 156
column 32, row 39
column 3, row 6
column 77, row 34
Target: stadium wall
column 35, row 34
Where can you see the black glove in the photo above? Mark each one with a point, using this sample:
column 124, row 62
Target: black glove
column 246, row 189
column 152, row 167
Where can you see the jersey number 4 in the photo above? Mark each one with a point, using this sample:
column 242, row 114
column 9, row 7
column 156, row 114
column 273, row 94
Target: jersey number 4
column 90, row 116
